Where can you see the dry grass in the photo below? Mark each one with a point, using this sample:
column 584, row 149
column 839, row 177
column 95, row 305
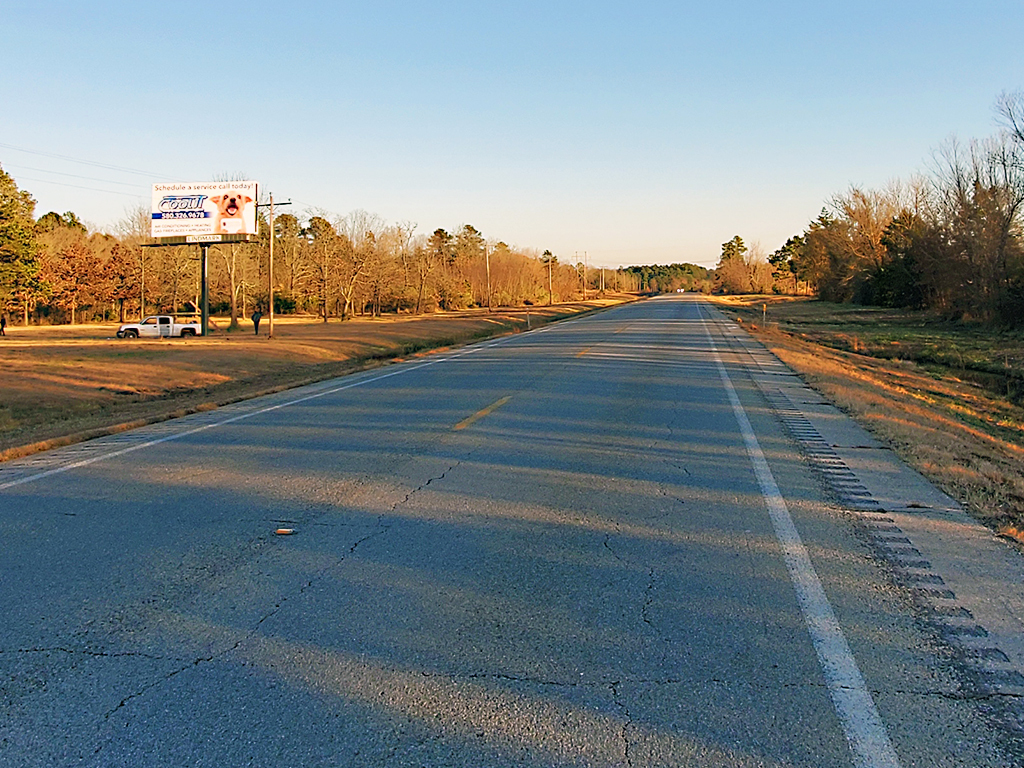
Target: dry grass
column 930, row 389
column 65, row 384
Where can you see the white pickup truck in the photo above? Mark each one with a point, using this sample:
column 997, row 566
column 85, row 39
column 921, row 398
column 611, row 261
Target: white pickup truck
column 157, row 326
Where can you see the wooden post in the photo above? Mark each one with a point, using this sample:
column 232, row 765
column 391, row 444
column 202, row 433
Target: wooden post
column 270, row 275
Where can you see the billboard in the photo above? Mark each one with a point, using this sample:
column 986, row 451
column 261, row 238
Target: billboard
column 204, row 211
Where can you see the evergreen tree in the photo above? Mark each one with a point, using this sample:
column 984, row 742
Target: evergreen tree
column 669, row 277
column 732, row 275
column 19, row 261
column 734, row 250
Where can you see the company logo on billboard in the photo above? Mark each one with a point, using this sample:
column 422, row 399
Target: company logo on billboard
column 182, row 207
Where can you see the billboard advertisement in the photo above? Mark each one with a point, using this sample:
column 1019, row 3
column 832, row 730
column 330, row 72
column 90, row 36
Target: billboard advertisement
column 207, row 210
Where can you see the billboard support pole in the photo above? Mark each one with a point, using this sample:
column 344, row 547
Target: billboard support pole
column 205, row 301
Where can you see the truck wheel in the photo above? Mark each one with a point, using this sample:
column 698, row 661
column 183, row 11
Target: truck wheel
column 131, row 334
column 187, row 332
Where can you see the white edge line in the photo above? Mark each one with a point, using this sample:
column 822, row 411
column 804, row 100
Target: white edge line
column 177, row 435
column 242, row 416
column 862, row 725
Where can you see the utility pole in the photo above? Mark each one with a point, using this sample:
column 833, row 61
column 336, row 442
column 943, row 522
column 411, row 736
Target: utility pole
column 586, row 268
column 576, row 255
column 550, row 259
column 270, row 267
column 487, row 263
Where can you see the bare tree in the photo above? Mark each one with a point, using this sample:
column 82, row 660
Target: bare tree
column 858, row 256
column 424, row 260
column 179, row 273
column 359, row 228
column 323, row 248
column 759, row 269
column 1010, row 109
column 981, row 197
column 122, row 274
column 230, row 255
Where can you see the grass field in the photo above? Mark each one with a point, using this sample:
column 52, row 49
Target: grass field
column 62, row 384
column 946, row 396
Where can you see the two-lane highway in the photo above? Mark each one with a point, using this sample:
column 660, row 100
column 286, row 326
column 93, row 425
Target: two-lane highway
column 589, row 545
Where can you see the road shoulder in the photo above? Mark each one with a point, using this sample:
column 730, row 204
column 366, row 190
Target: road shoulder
column 966, row 582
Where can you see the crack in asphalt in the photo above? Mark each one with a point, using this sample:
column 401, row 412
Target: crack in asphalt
column 649, row 601
column 680, row 467
column 155, row 683
column 616, row 685
column 430, row 480
column 608, row 546
column 90, row 654
column 671, row 496
column 382, row 529
column 627, row 721
column 648, row 592
column 206, row 659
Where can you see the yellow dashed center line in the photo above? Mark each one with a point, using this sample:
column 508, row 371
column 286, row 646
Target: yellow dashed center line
column 480, row 414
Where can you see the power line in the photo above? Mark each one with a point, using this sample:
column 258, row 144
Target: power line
column 133, row 184
column 107, row 166
column 78, row 186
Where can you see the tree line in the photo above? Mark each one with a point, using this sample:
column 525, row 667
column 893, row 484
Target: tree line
column 950, row 240
column 668, row 278
column 53, row 270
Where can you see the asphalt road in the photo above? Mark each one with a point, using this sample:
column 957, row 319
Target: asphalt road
column 589, row 545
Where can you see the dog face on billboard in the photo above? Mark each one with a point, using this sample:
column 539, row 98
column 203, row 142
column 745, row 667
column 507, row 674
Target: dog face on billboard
column 230, row 207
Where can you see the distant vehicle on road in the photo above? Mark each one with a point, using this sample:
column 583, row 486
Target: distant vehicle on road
column 158, row 326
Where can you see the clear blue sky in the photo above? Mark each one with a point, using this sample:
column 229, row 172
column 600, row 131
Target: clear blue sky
column 639, row 132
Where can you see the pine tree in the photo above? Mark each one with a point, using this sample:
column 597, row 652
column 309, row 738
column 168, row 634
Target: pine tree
column 19, row 260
